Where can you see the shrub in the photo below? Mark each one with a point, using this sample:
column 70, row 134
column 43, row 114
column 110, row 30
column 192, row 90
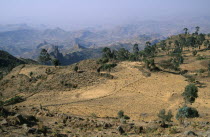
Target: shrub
column 48, row 71
column 120, row 114
column 102, row 61
column 194, row 53
column 190, row 93
column 150, row 64
column 201, row 70
column 187, row 112
column 68, row 85
column 93, row 115
column 106, row 75
column 76, row 68
column 31, row 73
column 108, row 66
column 173, row 130
column 190, row 78
column 56, row 62
column 122, row 117
column 14, row 100
column 165, row 117
column 200, row 58
column 170, row 64
column 126, row 117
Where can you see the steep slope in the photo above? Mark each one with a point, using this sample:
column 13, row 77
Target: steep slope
column 7, row 61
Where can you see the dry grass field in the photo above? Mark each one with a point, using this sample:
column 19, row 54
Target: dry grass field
column 140, row 97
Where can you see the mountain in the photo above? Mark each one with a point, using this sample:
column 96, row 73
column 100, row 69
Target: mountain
column 22, row 40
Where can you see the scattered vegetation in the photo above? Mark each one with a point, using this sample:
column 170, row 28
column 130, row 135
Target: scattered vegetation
column 186, row 112
column 76, row 68
column 190, row 93
column 150, row 65
column 107, row 67
column 122, row 117
column 165, row 117
column 55, row 62
column 14, row 100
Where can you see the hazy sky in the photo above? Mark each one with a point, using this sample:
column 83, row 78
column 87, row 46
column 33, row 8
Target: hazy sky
column 66, row 13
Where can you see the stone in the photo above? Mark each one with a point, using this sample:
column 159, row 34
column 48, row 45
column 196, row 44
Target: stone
column 4, row 122
column 25, row 127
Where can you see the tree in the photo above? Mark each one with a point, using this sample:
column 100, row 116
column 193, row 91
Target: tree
column 197, row 30
column 56, row 62
column 149, row 51
column 148, row 43
column 135, row 49
column 123, row 54
column 206, row 43
column 191, row 41
column 107, row 53
column 190, row 93
column 185, row 29
column 44, row 56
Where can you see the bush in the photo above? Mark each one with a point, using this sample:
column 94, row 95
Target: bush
column 190, row 93
column 68, row 85
column 15, row 100
column 122, row 117
column 194, row 53
column 120, row 114
column 187, row 112
column 107, row 66
column 190, row 78
column 165, row 117
column 170, row 64
column 48, row 71
column 201, row 70
column 201, row 57
column 31, row 73
column 150, row 64
column 102, row 61
column 106, row 75
column 76, row 68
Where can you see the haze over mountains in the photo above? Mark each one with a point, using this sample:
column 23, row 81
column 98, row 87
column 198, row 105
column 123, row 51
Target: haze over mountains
column 26, row 41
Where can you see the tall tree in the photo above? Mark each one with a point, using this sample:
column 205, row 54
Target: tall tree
column 107, row 53
column 56, row 62
column 197, row 29
column 185, row 29
column 135, row 49
column 44, row 57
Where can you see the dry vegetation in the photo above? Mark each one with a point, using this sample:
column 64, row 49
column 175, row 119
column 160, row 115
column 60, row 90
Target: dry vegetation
column 86, row 103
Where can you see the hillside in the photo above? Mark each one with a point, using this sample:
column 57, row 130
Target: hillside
column 89, row 100
column 7, row 61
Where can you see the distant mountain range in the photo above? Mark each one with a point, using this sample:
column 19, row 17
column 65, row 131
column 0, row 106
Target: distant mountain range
column 22, row 40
